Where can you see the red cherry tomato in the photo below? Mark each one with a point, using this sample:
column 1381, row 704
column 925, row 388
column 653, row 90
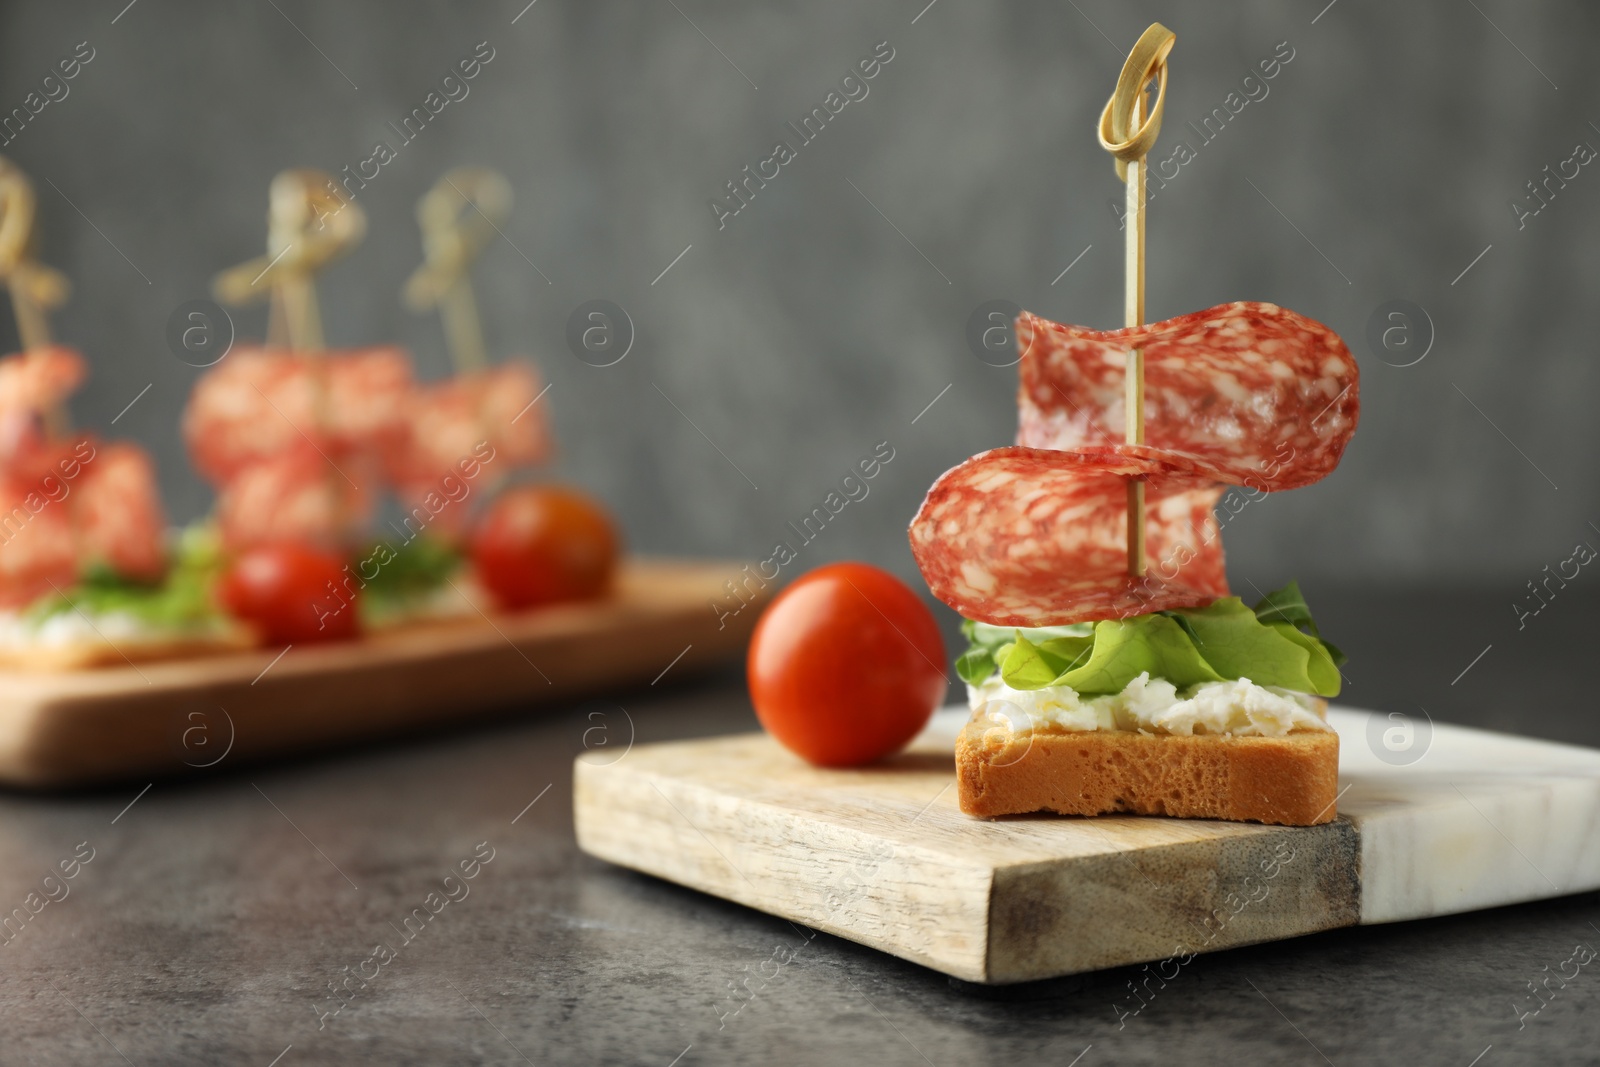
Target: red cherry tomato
column 283, row 590
column 544, row 544
column 846, row 665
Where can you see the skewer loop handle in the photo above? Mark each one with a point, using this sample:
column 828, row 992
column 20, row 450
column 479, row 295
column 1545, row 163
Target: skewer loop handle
column 1147, row 60
column 35, row 288
column 459, row 217
column 310, row 223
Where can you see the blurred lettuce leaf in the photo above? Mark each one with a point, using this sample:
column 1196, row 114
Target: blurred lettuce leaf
column 180, row 599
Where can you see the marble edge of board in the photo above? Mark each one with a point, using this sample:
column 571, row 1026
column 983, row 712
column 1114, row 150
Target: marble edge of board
column 1530, row 802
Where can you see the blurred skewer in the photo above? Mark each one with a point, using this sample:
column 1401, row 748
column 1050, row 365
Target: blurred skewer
column 309, row 225
column 459, row 217
column 35, row 288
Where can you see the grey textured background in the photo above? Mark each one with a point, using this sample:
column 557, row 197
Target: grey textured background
column 809, row 329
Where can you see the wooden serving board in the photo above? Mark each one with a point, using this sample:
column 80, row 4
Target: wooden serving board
column 111, row 723
column 883, row 856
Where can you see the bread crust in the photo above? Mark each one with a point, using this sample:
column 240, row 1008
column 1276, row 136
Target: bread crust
column 1288, row 781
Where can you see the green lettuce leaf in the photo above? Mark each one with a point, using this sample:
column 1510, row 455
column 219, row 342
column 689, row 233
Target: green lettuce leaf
column 1322, row 665
column 180, row 599
column 1288, row 605
column 1276, row 643
column 403, row 577
column 975, row 665
column 1035, row 666
column 1238, row 644
column 987, row 645
column 1118, row 653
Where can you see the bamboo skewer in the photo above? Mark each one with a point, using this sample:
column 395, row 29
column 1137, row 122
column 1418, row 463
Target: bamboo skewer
column 1128, row 132
column 309, row 225
column 459, row 217
column 34, row 287
column 1133, row 315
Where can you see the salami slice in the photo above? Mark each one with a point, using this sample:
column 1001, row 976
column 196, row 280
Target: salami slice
column 37, row 547
column 39, row 379
column 116, row 509
column 31, row 384
column 466, row 418
column 296, row 496
column 1037, row 537
column 1262, row 396
column 519, row 428
column 68, row 502
column 261, row 403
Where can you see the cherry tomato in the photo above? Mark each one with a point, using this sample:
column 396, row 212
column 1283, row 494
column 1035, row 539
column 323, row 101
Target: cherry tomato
column 284, row 591
column 544, row 544
column 846, row 665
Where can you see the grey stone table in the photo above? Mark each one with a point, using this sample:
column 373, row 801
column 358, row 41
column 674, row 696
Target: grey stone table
column 206, row 922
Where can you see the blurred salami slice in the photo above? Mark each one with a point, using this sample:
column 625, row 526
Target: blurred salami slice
column 490, row 413
column 39, row 379
column 260, row 403
column 1037, row 537
column 1261, row 396
column 38, row 551
column 117, row 511
column 67, row 502
column 31, row 385
column 299, row 496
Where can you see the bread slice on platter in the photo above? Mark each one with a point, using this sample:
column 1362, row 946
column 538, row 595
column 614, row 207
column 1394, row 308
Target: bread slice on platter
column 1292, row 780
column 93, row 650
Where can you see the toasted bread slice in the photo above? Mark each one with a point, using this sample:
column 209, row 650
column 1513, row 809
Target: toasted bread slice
column 1291, row 780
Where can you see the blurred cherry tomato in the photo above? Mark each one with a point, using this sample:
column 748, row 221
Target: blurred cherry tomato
column 544, row 544
column 846, row 665
column 283, row 590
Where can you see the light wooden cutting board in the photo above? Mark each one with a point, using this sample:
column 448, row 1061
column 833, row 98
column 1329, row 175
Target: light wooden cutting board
column 110, row 723
column 1461, row 819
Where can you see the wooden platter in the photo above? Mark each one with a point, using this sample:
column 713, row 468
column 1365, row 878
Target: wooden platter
column 884, row 857
column 111, row 723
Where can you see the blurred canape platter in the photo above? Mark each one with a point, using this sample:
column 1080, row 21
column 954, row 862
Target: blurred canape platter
column 381, row 554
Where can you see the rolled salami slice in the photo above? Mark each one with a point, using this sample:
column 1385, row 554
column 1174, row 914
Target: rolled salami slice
column 467, row 417
column 299, row 496
column 260, row 403
column 32, row 384
column 117, row 512
column 1263, row 397
column 38, row 551
column 39, row 379
column 1037, row 537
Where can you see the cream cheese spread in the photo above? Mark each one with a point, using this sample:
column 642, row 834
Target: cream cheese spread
column 1152, row 705
column 66, row 628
